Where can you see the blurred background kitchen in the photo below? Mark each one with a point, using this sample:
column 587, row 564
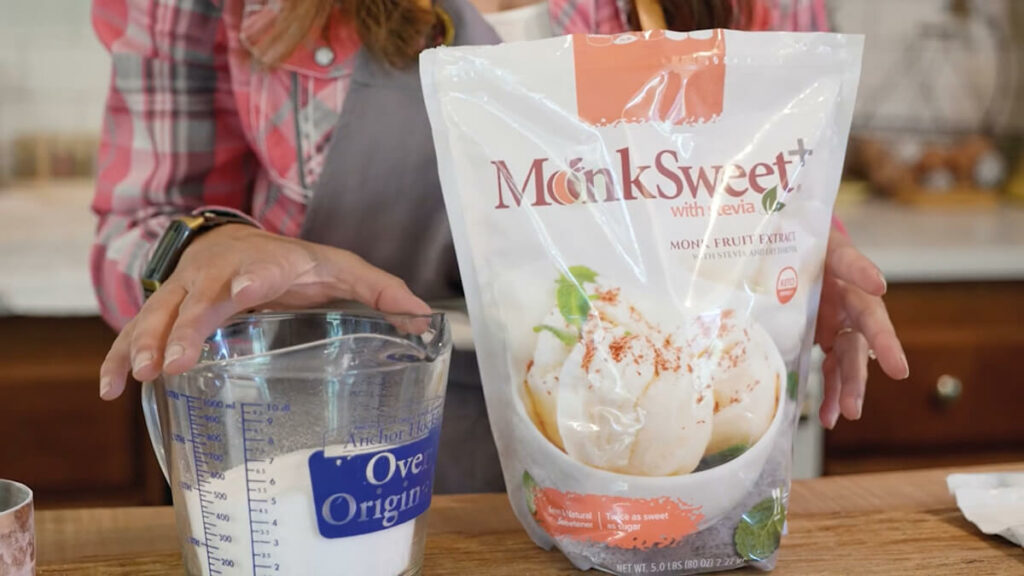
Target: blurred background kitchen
column 934, row 193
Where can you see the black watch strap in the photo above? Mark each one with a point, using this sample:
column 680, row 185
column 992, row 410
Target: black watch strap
column 181, row 232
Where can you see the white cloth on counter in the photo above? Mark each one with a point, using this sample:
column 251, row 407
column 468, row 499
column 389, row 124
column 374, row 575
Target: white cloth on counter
column 992, row 502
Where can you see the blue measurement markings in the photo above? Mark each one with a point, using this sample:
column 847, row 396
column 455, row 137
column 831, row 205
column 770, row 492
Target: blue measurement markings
column 206, row 425
column 204, row 422
column 257, row 420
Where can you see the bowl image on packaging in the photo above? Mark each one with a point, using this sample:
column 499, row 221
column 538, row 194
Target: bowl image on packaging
column 629, row 407
column 711, row 493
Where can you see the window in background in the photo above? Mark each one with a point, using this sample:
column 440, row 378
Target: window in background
column 937, row 118
column 53, row 80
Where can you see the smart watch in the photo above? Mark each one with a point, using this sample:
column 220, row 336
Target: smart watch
column 182, row 231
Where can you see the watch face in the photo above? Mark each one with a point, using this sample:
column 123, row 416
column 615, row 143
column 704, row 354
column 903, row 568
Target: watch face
column 149, row 286
column 176, row 238
column 166, row 254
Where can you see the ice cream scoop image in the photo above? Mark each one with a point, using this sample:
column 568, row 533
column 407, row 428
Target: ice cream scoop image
column 544, row 372
column 739, row 360
column 627, row 404
column 615, row 391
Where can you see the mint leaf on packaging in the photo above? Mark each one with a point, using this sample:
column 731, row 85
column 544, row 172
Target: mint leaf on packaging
column 792, row 385
column 769, row 198
column 721, row 457
column 568, row 338
column 759, row 532
column 529, row 487
column 583, row 274
column 770, row 201
column 573, row 302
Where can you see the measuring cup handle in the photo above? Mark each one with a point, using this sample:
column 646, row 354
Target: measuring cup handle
column 152, row 416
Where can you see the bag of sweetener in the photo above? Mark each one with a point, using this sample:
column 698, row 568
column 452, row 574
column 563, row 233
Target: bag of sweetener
column 641, row 223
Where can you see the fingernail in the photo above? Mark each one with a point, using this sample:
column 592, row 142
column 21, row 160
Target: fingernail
column 141, row 360
column 104, row 387
column 832, row 419
column 174, row 351
column 239, row 283
column 885, row 285
column 860, row 408
column 906, row 366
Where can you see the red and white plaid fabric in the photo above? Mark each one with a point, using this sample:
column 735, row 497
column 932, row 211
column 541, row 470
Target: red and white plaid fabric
column 193, row 121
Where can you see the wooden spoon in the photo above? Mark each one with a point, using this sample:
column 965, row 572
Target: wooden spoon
column 650, row 14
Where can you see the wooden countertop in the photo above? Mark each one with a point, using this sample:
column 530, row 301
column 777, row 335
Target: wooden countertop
column 890, row 523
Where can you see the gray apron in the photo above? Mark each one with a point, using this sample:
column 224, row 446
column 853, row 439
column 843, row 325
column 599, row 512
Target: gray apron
column 379, row 196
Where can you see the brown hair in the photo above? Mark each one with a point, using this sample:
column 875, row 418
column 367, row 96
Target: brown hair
column 396, row 30
column 393, row 30
column 686, row 15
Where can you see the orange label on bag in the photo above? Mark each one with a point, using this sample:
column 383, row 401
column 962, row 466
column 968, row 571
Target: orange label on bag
column 674, row 78
column 786, row 284
column 636, row 523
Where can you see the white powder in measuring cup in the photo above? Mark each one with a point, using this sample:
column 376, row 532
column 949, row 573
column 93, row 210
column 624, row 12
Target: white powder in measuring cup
column 294, row 545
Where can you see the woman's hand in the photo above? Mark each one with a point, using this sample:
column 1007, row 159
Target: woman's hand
column 231, row 269
column 853, row 324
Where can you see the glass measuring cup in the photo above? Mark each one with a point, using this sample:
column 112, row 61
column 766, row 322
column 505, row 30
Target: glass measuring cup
column 304, row 443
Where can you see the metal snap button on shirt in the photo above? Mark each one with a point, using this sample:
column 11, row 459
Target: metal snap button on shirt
column 323, row 56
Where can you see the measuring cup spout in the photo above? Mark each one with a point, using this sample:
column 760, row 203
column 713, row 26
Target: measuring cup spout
column 152, row 417
column 440, row 343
